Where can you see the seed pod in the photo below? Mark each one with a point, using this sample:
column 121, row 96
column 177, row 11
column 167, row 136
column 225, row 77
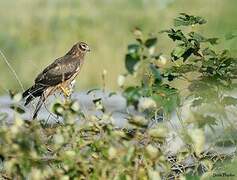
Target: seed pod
column 152, row 151
column 138, row 121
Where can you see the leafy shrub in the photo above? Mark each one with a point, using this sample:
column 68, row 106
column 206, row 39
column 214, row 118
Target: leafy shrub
column 206, row 74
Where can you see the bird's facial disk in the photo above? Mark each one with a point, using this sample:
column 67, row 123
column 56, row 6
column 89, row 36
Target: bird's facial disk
column 83, row 47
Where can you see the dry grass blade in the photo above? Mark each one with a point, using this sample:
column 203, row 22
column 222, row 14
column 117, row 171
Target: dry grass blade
column 12, row 70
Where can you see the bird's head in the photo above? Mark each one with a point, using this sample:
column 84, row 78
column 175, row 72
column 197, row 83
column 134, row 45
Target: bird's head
column 80, row 48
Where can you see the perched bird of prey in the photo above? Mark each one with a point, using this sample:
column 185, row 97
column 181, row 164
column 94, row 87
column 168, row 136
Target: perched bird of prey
column 58, row 76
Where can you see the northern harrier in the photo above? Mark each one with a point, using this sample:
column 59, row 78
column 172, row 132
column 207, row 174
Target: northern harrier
column 58, row 76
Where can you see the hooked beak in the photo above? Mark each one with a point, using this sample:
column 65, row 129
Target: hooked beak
column 88, row 49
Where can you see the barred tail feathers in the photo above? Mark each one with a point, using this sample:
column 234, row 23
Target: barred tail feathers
column 33, row 92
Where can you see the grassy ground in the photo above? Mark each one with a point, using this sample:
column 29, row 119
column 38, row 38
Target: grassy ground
column 33, row 33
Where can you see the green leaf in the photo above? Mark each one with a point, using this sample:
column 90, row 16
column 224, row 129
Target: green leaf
column 185, row 68
column 112, row 94
column 132, row 57
column 208, row 52
column 156, row 73
column 151, row 42
column 58, row 109
column 188, row 53
column 198, row 37
column 97, row 100
column 92, row 90
column 17, row 108
column 133, row 48
column 171, row 77
column 138, row 35
column 99, row 104
column 175, row 35
column 212, row 41
column 166, row 97
column 178, row 52
column 132, row 95
column 130, row 61
column 176, row 71
column 187, row 20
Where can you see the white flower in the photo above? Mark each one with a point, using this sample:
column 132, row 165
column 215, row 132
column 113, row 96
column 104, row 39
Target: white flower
column 18, row 122
column 159, row 132
column 146, row 103
column 136, row 67
column 58, row 139
column 65, row 177
column 112, row 152
column 153, row 175
column 70, row 153
column 152, row 151
column 36, row 174
column 121, row 80
column 14, row 129
column 151, row 50
column 17, row 97
column 162, row 60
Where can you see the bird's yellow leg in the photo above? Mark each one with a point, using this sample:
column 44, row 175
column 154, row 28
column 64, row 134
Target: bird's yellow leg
column 66, row 91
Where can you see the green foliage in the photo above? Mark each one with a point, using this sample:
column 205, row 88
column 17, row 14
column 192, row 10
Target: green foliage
column 71, row 151
column 149, row 74
column 186, row 20
column 16, row 97
column 70, row 106
column 208, row 76
column 132, row 95
column 132, row 57
column 93, row 150
column 209, row 73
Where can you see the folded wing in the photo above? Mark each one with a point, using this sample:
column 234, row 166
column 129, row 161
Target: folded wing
column 59, row 71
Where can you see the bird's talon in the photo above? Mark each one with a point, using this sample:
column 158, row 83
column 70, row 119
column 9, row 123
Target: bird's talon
column 66, row 91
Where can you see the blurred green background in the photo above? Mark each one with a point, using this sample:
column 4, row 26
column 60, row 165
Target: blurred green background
column 34, row 33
